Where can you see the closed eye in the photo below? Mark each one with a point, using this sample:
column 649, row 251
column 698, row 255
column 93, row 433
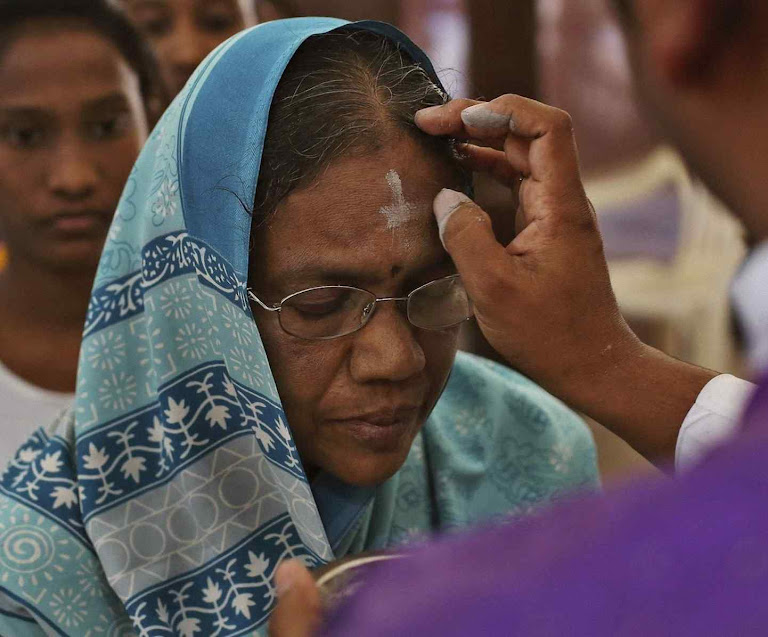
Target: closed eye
column 318, row 303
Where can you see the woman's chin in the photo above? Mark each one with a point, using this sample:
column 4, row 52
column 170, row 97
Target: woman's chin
column 365, row 469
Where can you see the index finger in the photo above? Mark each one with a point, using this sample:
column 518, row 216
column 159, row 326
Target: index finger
column 549, row 130
column 444, row 119
column 543, row 132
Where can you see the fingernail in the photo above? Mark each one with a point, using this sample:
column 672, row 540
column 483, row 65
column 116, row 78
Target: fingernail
column 445, row 204
column 286, row 575
column 483, row 116
column 423, row 112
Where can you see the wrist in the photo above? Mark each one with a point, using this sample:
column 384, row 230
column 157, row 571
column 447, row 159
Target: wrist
column 642, row 395
column 597, row 372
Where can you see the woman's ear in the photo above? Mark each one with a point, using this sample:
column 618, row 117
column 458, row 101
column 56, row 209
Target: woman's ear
column 680, row 38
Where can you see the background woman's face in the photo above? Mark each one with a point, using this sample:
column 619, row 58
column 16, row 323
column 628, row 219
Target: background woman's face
column 71, row 126
column 366, row 222
column 183, row 32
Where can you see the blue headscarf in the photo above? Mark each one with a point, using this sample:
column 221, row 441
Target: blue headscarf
column 168, row 496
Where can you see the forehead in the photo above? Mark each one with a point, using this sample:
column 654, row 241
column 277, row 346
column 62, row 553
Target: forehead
column 58, row 62
column 370, row 213
column 185, row 5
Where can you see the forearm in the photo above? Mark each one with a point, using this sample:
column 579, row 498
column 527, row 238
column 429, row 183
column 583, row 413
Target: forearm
column 642, row 395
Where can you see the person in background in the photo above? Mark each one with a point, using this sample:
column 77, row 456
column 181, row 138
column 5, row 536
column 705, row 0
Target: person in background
column 183, row 32
column 682, row 557
column 268, row 10
column 74, row 80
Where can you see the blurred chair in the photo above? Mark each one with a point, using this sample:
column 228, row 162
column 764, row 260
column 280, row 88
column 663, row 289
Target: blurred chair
column 672, row 251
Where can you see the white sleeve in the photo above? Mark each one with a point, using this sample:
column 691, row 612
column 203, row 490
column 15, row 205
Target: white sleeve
column 713, row 418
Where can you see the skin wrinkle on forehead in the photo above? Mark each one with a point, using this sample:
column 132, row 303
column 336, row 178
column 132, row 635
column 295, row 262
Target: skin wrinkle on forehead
column 350, row 225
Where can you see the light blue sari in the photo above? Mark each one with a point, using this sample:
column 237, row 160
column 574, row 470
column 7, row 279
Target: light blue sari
column 162, row 504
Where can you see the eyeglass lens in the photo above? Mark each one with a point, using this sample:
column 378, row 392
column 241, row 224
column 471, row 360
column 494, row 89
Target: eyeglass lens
column 439, row 304
column 326, row 312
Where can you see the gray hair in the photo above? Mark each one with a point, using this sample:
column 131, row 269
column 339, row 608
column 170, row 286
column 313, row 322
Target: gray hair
column 343, row 93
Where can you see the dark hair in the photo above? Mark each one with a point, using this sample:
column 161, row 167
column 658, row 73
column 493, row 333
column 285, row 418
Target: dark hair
column 343, row 92
column 107, row 22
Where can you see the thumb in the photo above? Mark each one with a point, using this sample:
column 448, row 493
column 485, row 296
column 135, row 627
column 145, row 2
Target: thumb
column 467, row 234
column 298, row 611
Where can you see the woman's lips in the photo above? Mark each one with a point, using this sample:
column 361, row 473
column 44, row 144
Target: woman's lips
column 382, row 430
column 80, row 223
column 379, row 437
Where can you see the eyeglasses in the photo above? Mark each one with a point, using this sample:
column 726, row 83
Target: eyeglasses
column 332, row 311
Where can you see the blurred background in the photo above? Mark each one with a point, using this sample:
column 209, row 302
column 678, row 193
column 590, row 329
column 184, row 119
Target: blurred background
column 672, row 248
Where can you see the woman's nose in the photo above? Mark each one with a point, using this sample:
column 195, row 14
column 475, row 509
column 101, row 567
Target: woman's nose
column 74, row 175
column 184, row 48
column 386, row 349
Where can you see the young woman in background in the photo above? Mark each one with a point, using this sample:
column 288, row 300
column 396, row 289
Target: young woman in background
column 75, row 78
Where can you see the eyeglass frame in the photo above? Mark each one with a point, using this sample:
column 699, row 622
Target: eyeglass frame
column 278, row 306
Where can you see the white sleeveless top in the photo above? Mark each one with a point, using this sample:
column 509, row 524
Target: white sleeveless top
column 23, row 409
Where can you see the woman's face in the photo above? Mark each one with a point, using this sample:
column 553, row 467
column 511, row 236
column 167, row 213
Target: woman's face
column 71, row 125
column 356, row 403
column 183, row 32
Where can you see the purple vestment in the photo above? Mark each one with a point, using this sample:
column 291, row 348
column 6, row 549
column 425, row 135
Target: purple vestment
column 683, row 557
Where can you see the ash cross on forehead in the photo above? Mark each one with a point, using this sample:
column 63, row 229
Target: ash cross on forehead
column 400, row 210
